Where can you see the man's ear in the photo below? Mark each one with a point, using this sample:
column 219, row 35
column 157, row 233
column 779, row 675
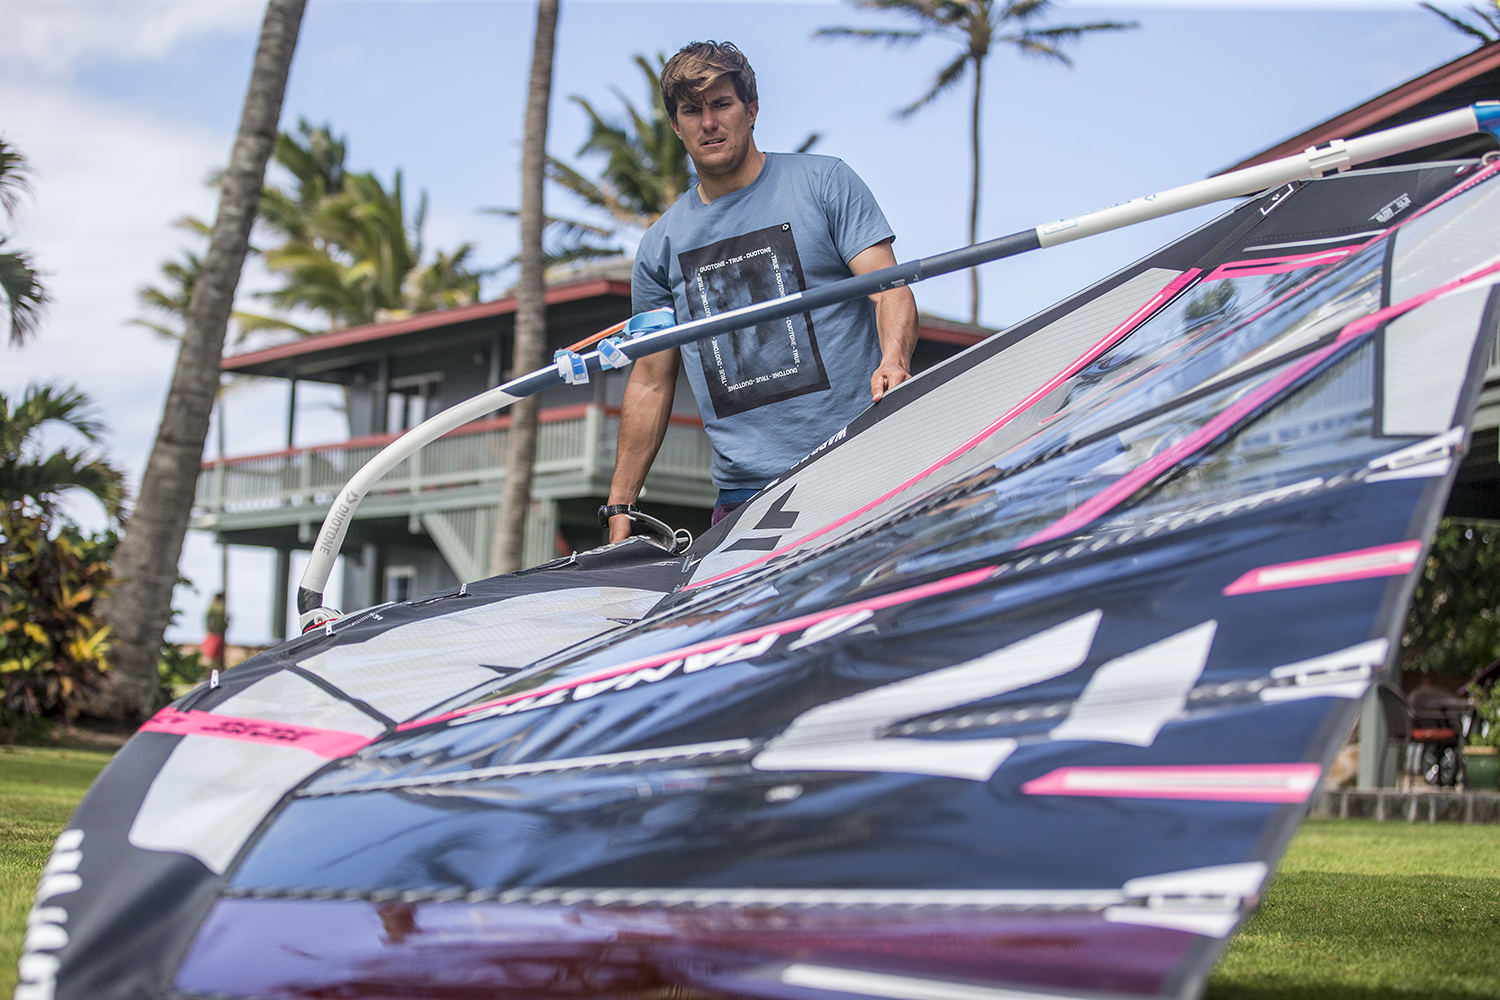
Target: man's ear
column 754, row 108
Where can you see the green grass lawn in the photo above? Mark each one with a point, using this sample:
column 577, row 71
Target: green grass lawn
column 1358, row 910
column 38, row 790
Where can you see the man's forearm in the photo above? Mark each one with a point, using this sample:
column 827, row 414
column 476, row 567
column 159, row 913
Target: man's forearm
column 644, row 414
column 643, row 427
column 896, row 324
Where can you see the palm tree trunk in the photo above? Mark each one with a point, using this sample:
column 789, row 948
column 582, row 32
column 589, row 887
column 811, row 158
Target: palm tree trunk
column 530, row 347
column 974, row 191
column 146, row 561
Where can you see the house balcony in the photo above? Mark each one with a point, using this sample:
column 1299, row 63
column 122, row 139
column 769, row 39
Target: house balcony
column 450, row 489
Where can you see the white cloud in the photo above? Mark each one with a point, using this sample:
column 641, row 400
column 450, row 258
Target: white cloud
column 108, row 180
column 51, row 36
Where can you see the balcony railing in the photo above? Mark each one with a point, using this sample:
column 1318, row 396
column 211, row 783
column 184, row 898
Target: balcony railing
column 577, row 440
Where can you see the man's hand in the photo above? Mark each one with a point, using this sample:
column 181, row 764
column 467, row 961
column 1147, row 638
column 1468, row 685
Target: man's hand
column 895, row 322
column 891, row 373
column 619, row 527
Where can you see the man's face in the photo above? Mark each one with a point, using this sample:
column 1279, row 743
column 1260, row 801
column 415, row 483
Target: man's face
column 715, row 126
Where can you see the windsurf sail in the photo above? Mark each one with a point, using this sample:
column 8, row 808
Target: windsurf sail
column 1017, row 687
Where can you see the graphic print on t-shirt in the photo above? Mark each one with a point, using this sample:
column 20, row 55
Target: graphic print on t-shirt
column 772, row 361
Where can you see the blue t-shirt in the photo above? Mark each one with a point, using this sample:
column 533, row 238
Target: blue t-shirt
column 773, row 393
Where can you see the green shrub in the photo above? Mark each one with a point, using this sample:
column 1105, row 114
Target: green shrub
column 53, row 645
column 1454, row 623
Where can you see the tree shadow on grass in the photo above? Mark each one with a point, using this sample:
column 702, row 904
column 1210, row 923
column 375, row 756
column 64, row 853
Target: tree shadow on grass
column 1336, row 936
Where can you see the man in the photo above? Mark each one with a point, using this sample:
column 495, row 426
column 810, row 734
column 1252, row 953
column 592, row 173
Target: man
column 756, row 226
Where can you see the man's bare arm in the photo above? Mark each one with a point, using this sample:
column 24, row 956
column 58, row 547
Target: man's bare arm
column 895, row 321
column 644, row 413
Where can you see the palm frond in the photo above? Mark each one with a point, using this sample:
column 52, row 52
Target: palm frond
column 1465, row 27
column 41, row 404
column 13, row 177
column 1073, row 32
column 891, row 36
column 249, row 323
column 1029, row 46
column 948, row 78
column 1024, row 10
column 40, row 481
column 21, row 287
column 160, row 329
column 809, row 142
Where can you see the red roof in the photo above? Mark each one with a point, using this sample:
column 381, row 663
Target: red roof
column 931, row 328
column 422, row 321
column 1371, row 113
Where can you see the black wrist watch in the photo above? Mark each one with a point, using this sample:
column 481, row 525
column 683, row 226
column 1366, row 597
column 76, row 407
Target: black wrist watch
column 610, row 510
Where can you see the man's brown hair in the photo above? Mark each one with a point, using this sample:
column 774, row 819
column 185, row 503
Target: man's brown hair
column 698, row 65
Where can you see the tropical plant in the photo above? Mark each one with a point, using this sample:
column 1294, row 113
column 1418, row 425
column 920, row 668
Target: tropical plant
column 20, row 283
column 1487, row 707
column 1453, row 626
column 976, row 26
column 1486, row 24
column 166, row 307
column 530, row 343
column 30, row 479
column 178, row 670
column 53, row 641
column 347, row 250
column 146, row 561
column 646, row 167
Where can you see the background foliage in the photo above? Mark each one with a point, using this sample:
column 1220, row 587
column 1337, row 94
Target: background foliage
column 1454, row 623
column 53, row 645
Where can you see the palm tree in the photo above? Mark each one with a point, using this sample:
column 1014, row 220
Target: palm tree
column 167, row 306
column 19, row 282
column 146, row 561
column 531, row 303
column 1486, row 27
column 52, row 644
column 646, row 166
column 646, row 169
column 27, row 476
column 976, row 26
column 347, row 250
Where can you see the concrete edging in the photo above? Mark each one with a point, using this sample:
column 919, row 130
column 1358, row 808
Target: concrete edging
column 1390, row 804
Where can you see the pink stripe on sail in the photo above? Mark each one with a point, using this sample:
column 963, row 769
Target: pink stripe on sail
column 1206, row 782
column 1106, row 499
column 1375, row 319
column 1167, row 293
column 328, row 743
column 1279, row 265
column 1127, row 484
column 1382, row 560
column 787, row 627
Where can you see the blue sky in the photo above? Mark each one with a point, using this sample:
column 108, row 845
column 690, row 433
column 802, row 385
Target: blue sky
column 125, row 107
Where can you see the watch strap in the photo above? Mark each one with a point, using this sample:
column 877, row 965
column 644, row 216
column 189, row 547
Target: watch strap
column 610, row 510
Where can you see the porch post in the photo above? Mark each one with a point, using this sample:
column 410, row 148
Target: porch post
column 280, row 585
column 291, row 416
column 370, row 566
column 381, row 403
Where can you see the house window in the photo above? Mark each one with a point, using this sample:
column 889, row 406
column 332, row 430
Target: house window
column 412, row 399
column 400, row 582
